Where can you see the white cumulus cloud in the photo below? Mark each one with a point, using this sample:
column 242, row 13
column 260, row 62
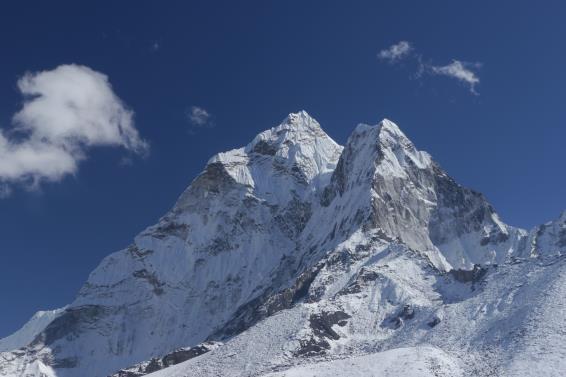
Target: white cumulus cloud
column 396, row 52
column 65, row 112
column 200, row 117
column 461, row 71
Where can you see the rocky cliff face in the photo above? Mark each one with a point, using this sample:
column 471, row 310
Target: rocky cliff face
column 345, row 246
column 407, row 196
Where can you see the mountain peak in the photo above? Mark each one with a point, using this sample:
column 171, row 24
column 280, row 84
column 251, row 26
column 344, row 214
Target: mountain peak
column 391, row 127
column 385, row 141
column 294, row 158
column 296, row 128
column 298, row 134
column 409, row 197
column 336, row 236
column 385, row 124
column 300, row 118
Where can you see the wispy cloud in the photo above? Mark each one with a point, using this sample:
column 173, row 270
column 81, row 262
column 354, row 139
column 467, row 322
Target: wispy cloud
column 395, row 52
column 65, row 112
column 461, row 71
column 155, row 46
column 200, row 117
column 464, row 72
column 5, row 191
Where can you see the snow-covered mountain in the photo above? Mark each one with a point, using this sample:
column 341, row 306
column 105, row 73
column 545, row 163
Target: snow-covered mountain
column 294, row 256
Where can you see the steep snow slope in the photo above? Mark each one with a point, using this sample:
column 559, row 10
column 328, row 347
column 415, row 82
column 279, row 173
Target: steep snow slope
column 225, row 242
column 504, row 320
column 400, row 362
column 294, row 250
column 28, row 332
column 406, row 195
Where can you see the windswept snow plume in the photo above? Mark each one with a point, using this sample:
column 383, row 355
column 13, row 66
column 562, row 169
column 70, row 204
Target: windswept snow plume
column 65, row 112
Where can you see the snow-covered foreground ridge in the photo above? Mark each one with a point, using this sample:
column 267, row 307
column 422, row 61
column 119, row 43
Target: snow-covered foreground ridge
column 297, row 256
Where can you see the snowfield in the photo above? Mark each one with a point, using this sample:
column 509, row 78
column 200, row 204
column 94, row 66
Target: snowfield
column 295, row 256
column 399, row 362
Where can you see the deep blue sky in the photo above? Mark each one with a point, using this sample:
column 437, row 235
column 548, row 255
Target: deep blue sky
column 249, row 64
